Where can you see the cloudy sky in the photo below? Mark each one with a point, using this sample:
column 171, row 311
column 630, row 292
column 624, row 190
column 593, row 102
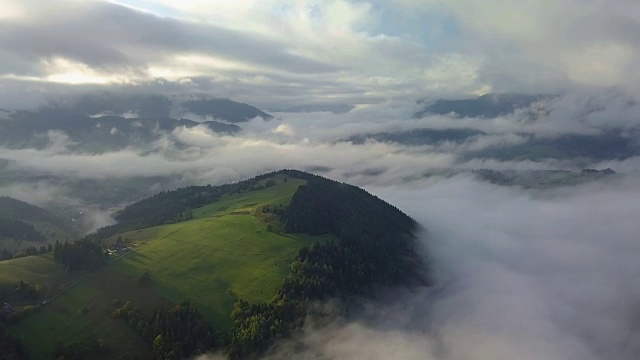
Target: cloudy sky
column 275, row 53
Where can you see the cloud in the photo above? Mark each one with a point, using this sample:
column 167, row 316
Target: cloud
column 282, row 53
column 284, row 129
column 39, row 193
column 311, row 140
column 519, row 274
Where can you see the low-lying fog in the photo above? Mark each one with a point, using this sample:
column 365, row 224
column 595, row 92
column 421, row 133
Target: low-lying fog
column 550, row 274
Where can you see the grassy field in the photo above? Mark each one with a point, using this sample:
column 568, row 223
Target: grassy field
column 225, row 252
column 207, row 260
column 247, row 203
column 83, row 313
column 40, row 270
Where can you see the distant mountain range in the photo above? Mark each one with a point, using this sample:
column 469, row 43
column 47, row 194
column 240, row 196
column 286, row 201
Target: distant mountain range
column 422, row 136
column 611, row 145
column 308, row 108
column 225, row 110
column 157, row 106
column 30, row 130
column 105, row 123
column 485, row 106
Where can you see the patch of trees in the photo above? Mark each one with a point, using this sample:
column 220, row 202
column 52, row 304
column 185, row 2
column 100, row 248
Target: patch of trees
column 256, row 326
column 178, row 333
column 10, row 347
column 376, row 247
column 30, row 251
column 271, row 216
column 606, row 171
column 26, row 291
column 6, row 254
column 20, row 230
column 145, row 279
column 21, row 313
column 79, row 255
column 90, row 348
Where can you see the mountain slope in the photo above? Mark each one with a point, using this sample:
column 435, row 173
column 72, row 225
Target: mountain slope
column 155, row 107
column 23, row 225
column 249, row 257
column 225, row 110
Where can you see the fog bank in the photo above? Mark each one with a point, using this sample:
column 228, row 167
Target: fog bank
column 536, row 274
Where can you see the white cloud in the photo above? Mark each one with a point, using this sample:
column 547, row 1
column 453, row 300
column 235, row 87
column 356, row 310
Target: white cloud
column 519, row 275
column 283, row 51
column 284, row 129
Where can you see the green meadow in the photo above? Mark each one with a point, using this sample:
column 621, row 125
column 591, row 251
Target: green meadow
column 41, row 270
column 210, row 261
column 227, row 251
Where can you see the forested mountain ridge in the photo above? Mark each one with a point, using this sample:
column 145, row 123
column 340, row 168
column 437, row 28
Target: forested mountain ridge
column 26, row 229
column 14, row 208
column 265, row 250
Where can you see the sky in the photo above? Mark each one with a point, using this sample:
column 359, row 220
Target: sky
column 275, row 53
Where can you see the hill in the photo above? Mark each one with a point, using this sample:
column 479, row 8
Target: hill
column 225, row 110
column 24, row 226
column 241, row 261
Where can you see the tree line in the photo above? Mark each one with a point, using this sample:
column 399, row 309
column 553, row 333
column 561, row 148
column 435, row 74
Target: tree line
column 79, row 255
column 177, row 333
column 30, row 251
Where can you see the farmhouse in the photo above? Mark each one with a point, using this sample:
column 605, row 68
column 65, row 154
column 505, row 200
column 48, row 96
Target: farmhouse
column 117, row 248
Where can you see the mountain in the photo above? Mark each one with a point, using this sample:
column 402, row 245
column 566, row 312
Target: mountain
column 156, row 106
column 610, row 145
column 108, row 122
column 424, row 136
column 224, row 110
column 24, row 226
column 226, row 268
column 88, row 134
column 542, row 178
column 333, row 108
column 485, row 106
